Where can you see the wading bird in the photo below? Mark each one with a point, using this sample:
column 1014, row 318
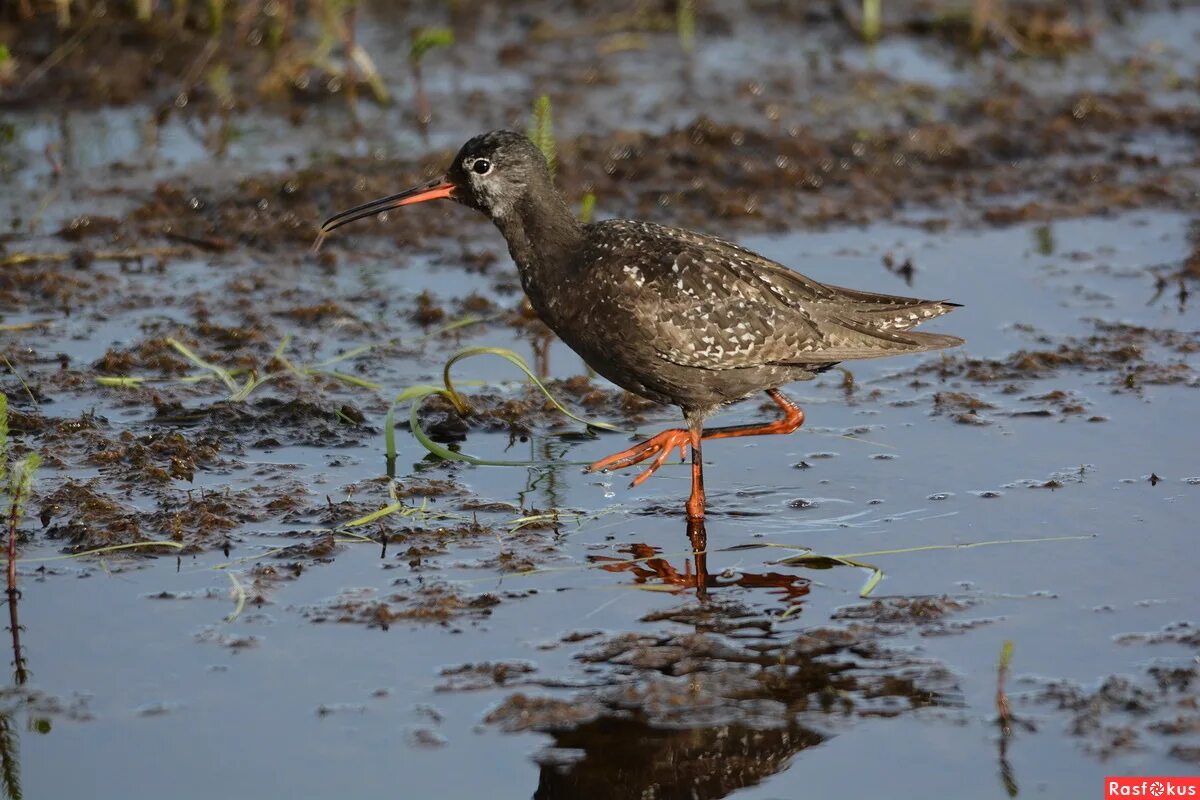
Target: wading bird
column 678, row 317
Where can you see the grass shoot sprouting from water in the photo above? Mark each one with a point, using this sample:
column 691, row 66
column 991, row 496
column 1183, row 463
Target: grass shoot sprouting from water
column 216, row 16
column 872, row 20
column 1005, row 719
column 587, row 208
column 1003, row 710
column 337, row 18
column 423, row 41
column 685, row 25
column 541, row 131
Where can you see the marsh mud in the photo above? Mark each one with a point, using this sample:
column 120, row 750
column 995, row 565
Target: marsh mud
column 192, row 375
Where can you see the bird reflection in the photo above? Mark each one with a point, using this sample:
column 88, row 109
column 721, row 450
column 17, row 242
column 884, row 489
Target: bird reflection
column 632, row 754
column 627, row 758
column 650, row 569
column 700, row 715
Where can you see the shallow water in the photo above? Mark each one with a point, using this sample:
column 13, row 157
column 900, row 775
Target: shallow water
column 153, row 670
column 1060, row 440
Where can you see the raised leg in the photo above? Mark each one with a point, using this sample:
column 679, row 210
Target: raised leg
column 793, row 418
column 660, row 447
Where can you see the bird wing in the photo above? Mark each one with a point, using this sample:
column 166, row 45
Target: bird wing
column 714, row 305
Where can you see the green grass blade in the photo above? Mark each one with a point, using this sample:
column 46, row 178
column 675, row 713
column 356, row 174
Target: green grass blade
column 816, row 561
column 414, row 422
column 374, row 515
column 412, row 394
column 427, row 39
column 963, row 546
column 239, row 593
column 283, row 344
column 366, row 67
column 133, row 381
column 669, row 588
column 99, row 551
column 541, row 131
column 516, row 360
column 252, row 383
column 289, row 367
column 353, row 380
column 220, row 372
column 416, row 394
column 123, row 382
column 349, row 354
column 685, row 25
column 872, row 582
column 587, row 208
column 1006, row 654
column 455, row 325
column 20, row 484
column 872, row 16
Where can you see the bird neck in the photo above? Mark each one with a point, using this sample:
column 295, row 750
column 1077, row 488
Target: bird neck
column 544, row 239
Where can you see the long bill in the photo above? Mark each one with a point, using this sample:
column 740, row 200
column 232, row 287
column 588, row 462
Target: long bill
column 436, row 189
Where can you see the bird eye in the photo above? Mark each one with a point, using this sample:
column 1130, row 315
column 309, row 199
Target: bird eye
column 482, row 166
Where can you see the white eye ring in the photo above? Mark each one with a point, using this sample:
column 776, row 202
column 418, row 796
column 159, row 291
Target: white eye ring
column 480, row 166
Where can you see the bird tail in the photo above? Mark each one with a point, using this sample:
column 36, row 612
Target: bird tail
column 859, row 338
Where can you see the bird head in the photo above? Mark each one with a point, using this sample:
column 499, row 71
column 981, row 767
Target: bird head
column 491, row 173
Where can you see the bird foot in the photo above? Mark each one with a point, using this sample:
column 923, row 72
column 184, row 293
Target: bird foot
column 659, row 447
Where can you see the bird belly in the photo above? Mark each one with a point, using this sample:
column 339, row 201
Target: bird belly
column 642, row 371
column 630, row 360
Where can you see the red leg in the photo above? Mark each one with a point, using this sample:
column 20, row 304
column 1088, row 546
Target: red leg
column 695, row 503
column 793, row 418
column 659, row 447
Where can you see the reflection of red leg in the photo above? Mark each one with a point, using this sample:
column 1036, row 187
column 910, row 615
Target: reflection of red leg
column 698, row 537
column 658, row 447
